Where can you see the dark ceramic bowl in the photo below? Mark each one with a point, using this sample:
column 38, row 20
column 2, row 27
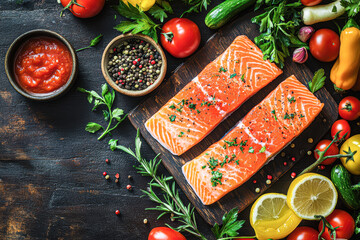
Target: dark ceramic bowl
column 10, row 61
column 105, row 59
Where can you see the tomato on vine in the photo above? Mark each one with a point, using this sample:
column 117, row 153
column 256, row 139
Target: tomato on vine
column 83, row 8
column 343, row 223
column 303, row 233
column 165, row 233
column 349, row 108
column 333, row 150
column 343, row 126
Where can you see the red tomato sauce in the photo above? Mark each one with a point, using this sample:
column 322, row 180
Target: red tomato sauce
column 42, row 65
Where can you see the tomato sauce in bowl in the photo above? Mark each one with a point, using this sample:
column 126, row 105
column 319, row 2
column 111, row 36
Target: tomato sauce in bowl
column 42, row 65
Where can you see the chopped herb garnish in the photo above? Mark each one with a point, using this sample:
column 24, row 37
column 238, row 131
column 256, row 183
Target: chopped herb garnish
column 203, row 167
column 301, row 116
column 212, row 163
column 292, row 99
column 188, row 130
column 222, row 70
column 262, row 149
column 237, row 162
column 273, row 112
column 232, row 75
column 172, row 106
column 243, row 78
column 287, row 116
column 179, row 110
column 192, row 106
column 222, row 163
column 216, row 178
column 206, row 154
column 181, row 134
column 251, row 150
column 198, row 111
column 172, row 118
column 224, row 146
column 232, row 143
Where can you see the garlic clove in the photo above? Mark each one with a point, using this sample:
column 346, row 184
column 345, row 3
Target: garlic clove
column 305, row 33
column 300, row 55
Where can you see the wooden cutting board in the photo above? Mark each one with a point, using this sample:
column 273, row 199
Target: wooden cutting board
column 245, row 194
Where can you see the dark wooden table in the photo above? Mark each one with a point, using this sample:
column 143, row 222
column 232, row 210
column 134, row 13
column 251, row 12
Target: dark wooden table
column 51, row 183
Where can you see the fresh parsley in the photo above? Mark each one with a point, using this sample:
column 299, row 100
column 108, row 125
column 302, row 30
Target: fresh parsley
column 278, row 26
column 160, row 12
column 93, row 43
column 110, row 114
column 196, row 6
column 233, row 75
column 263, row 149
column 352, row 7
column 230, row 225
column 292, row 99
column 318, row 80
column 140, row 23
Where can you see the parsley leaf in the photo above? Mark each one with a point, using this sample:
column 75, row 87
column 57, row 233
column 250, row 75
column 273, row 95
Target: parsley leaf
column 196, row 6
column 93, row 43
column 278, row 25
column 158, row 13
column 318, row 80
column 230, row 225
column 352, row 7
column 93, row 127
column 140, row 23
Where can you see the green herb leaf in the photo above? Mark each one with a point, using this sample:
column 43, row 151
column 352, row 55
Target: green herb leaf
column 318, row 80
column 232, row 75
column 263, row 149
column 106, row 115
column 196, row 6
column 93, row 127
column 222, row 70
column 93, row 43
column 230, row 225
column 158, row 13
column 352, row 7
column 117, row 112
column 167, row 7
column 251, row 150
column 357, row 223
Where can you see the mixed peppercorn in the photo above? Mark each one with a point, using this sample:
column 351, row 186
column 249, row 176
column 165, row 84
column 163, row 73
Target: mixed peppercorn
column 134, row 65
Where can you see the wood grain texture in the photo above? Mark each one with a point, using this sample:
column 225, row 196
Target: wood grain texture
column 244, row 195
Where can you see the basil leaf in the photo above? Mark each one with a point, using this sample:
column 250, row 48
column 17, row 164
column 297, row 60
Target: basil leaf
column 93, row 127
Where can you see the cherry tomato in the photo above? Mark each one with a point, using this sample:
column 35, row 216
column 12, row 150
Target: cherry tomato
column 341, row 219
column 333, row 150
column 349, row 108
column 303, row 233
column 325, row 45
column 180, row 37
column 310, row 3
column 165, row 233
column 88, row 8
column 342, row 125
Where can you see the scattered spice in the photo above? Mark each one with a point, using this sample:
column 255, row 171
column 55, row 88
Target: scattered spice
column 321, row 167
column 268, row 182
column 243, row 78
column 107, row 161
column 117, row 212
column 145, row 221
column 129, row 187
column 293, row 175
column 257, row 190
column 309, row 153
column 232, row 75
column 130, row 177
column 134, row 64
column 269, row 177
column 254, row 181
column 107, row 177
column 293, row 159
column 116, row 180
column 283, row 154
column 117, row 175
column 104, row 174
column 310, row 140
column 292, row 145
column 285, row 163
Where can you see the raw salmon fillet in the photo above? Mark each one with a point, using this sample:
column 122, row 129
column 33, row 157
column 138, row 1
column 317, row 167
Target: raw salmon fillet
column 219, row 89
column 257, row 138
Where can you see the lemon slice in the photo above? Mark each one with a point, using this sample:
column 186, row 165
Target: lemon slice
column 272, row 218
column 312, row 194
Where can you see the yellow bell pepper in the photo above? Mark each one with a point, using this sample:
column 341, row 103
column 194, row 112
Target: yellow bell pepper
column 344, row 73
column 143, row 4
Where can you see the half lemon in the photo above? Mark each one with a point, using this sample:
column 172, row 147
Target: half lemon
column 272, row 218
column 312, row 194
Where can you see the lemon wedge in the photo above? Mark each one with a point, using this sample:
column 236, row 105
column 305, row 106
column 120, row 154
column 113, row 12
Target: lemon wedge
column 312, row 194
column 272, row 218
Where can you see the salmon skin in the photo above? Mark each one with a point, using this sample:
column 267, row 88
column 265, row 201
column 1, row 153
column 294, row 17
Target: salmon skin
column 220, row 88
column 257, row 138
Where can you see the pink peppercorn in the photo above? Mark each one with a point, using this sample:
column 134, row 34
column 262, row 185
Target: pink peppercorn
column 254, row 181
column 293, row 159
column 152, row 62
column 140, row 66
column 285, row 163
column 107, row 160
column 134, row 62
column 117, row 175
column 293, row 175
column 104, row 173
column 117, row 212
column 269, row 177
column 129, row 187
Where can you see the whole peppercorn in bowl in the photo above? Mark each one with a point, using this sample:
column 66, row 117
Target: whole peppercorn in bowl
column 133, row 64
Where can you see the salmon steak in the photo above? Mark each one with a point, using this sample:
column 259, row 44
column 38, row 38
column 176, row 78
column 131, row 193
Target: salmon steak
column 268, row 128
column 219, row 89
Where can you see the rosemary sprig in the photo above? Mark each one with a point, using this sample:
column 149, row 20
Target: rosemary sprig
column 171, row 202
column 196, row 6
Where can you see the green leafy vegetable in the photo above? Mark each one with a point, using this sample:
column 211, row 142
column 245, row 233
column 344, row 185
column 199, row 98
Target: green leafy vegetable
column 196, row 6
column 278, row 25
column 170, row 201
column 230, row 225
column 357, row 223
column 140, row 23
column 352, row 7
column 93, row 43
column 107, row 99
column 318, row 80
column 160, row 12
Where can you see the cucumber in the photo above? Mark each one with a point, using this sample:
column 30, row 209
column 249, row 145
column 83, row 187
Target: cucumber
column 225, row 11
column 341, row 179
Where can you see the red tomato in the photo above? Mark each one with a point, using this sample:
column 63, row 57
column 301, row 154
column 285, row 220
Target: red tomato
column 303, row 233
column 333, row 150
column 342, row 125
column 88, row 8
column 310, row 2
column 341, row 219
column 165, row 233
column 180, row 37
column 325, row 45
column 349, row 108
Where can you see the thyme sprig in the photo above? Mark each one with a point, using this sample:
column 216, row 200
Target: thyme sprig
column 171, row 202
